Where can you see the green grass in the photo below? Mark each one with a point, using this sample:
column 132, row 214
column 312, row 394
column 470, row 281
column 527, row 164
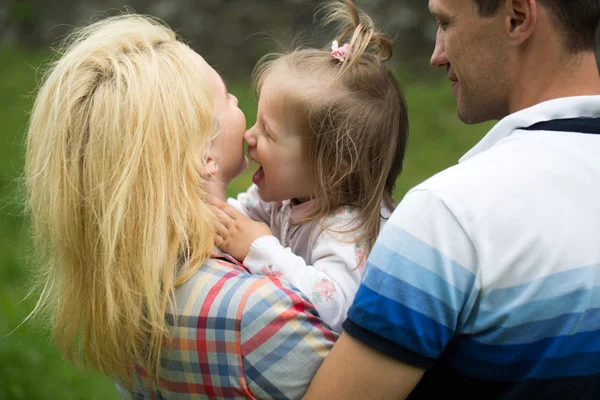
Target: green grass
column 30, row 367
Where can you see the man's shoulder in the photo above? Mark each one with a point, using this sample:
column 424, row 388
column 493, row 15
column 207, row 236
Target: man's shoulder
column 508, row 156
column 489, row 174
column 456, row 179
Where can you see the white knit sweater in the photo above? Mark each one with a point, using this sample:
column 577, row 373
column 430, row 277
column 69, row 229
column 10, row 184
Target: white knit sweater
column 321, row 260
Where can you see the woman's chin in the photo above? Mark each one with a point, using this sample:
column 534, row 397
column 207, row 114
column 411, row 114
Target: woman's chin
column 243, row 165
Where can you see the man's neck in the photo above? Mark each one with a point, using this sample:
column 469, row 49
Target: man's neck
column 555, row 76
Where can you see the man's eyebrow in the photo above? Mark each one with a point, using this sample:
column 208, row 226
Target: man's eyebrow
column 436, row 12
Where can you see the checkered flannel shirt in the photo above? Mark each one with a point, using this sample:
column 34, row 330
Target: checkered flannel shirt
column 237, row 336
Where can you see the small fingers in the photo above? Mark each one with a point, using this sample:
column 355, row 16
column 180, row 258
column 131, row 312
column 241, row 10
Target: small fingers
column 218, row 240
column 224, row 219
column 216, row 202
column 221, row 231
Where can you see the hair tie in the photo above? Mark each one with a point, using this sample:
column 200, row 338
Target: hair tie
column 339, row 53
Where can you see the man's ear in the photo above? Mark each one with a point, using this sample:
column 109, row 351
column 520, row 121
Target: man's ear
column 521, row 19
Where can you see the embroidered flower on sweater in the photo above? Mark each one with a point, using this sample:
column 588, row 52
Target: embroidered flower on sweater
column 324, row 291
column 361, row 255
column 268, row 270
column 341, row 211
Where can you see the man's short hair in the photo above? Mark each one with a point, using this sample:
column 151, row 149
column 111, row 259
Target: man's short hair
column 579, row 19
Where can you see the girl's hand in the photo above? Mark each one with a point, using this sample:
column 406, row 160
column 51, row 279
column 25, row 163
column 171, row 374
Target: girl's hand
column 234, row 232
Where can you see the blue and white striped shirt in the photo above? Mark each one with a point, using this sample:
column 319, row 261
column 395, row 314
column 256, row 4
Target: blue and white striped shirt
column 488, row 274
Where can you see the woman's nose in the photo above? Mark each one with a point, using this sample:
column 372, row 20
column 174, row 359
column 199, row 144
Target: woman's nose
column 250, row 137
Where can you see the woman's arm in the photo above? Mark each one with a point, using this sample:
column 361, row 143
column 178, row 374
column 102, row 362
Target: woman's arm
column 330, row 282
column 236, row 335
column 283, row 341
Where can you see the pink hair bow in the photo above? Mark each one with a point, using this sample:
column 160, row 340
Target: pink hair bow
column 339, row 53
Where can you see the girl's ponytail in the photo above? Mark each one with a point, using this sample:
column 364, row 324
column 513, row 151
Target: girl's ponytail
column 358, row 30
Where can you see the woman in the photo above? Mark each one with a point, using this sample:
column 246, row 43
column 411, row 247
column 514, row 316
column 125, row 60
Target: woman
column 129, row 134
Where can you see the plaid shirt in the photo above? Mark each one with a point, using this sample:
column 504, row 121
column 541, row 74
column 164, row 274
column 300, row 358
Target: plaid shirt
column 237, row 336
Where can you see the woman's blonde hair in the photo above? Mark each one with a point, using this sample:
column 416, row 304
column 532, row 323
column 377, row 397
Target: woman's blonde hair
column 356, row 124
column 116, row 192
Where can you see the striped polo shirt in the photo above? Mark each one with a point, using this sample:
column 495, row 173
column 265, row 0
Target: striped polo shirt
column 488, row 274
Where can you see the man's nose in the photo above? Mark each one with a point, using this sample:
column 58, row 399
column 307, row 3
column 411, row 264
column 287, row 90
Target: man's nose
column 439, row 58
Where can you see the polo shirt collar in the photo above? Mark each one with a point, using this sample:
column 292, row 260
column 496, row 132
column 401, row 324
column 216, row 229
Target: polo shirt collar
column 567, row 107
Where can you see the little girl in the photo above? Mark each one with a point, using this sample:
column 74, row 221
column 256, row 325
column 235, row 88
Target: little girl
column 330, row 137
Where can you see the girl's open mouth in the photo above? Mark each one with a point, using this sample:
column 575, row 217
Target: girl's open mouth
column 258, row 175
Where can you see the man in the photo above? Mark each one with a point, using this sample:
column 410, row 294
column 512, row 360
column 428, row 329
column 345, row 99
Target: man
column 485, row 283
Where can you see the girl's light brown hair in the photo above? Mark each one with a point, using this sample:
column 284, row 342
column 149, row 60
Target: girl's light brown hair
column 356, row 126
column 115, row 145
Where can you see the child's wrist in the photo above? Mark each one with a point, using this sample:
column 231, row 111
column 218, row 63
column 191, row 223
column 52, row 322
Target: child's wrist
column 260, row 251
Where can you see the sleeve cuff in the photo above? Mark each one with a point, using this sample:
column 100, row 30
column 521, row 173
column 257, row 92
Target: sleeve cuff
column 386, row 346
column 262, row 252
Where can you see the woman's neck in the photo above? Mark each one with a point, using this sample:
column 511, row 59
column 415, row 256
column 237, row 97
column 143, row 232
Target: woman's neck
column 217, row 188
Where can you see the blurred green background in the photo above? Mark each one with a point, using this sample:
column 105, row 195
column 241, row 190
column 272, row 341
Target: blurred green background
column 30, row 367
column 232, row 36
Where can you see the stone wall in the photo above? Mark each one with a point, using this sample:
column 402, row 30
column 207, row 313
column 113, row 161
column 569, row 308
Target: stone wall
column 231, row 34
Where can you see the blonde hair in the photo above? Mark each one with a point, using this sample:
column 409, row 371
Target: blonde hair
column 356, row 125
column 115, row 189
